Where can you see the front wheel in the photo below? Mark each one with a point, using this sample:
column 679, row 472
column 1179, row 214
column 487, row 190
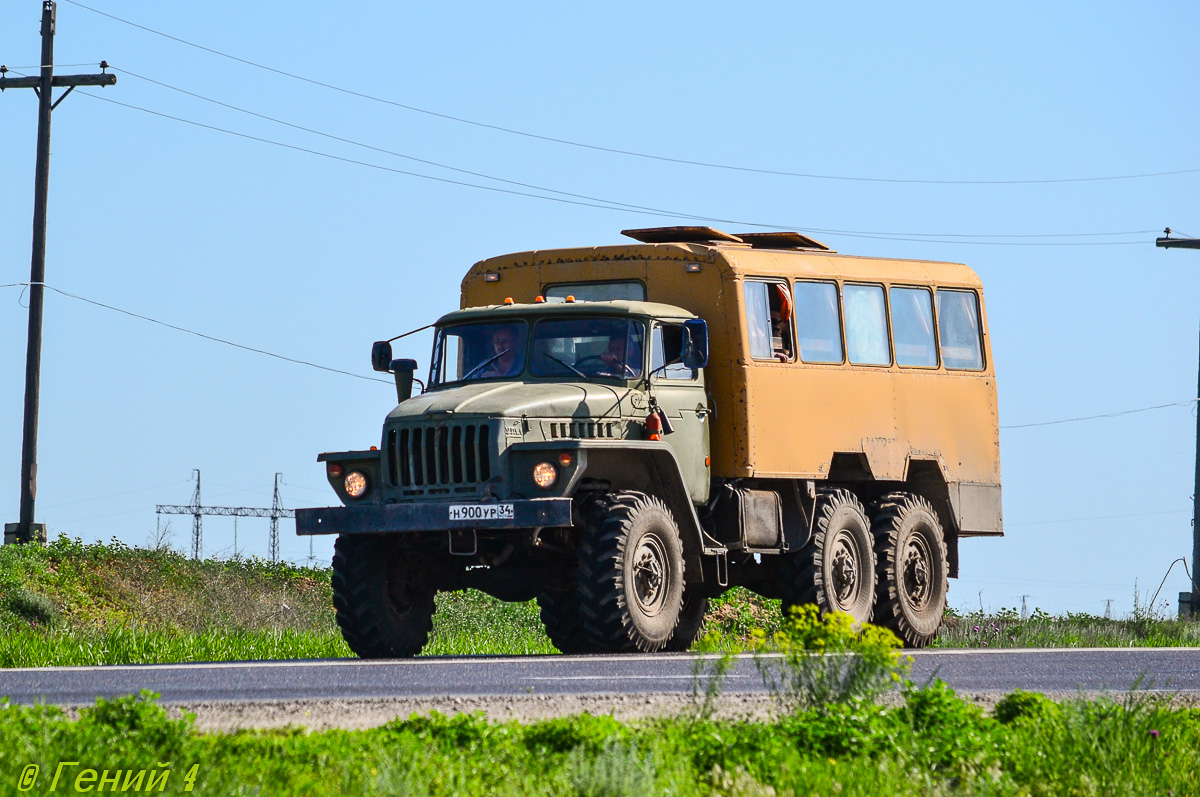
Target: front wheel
column 630, row 574
column 383, row 601
column 912, row 579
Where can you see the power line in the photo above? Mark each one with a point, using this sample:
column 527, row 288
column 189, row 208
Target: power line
column 614, row 150
column 1104, row 415
column 485, row 176
column 207, row 337
column 372, row 379
column 609, row 205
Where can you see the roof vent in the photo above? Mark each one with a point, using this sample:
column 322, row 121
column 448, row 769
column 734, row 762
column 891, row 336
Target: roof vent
column 680, row 235
column 781, row 240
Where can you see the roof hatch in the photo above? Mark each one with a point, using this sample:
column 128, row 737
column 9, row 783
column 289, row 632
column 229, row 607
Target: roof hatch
column 781, row 240
column 708, row 235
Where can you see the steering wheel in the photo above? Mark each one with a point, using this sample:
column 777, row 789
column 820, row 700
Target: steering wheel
column 629, row 372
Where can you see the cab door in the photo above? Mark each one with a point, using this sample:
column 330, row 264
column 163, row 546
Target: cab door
column 679, row 392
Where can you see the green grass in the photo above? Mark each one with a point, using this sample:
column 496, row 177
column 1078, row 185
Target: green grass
column 71, row 603
column 932, row 743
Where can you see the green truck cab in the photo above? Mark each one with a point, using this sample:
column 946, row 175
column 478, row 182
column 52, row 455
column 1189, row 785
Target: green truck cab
column 559, row 451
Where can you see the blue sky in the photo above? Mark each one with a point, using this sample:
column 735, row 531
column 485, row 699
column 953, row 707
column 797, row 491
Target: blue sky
column 314, row 258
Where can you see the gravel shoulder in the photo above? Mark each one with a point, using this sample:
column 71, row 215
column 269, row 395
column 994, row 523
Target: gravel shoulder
column 319, row 715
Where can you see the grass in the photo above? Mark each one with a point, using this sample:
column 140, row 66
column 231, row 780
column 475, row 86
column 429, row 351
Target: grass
column 931, row 743
column 70, row 603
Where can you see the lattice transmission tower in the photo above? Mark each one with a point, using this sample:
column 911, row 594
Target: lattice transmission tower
column 197, row 510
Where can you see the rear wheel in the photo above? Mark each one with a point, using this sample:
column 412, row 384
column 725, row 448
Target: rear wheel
column 384, row 603
column 912, row 578
column 836, row 570
column 630, row 575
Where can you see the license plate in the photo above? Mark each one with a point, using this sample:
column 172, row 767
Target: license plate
column 481, row 511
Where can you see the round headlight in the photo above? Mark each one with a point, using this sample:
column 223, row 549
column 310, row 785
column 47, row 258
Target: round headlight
column 356, row 484
column 544, row 474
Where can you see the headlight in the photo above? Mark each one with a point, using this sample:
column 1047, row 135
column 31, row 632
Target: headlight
column 544, row 474
column 356, row 484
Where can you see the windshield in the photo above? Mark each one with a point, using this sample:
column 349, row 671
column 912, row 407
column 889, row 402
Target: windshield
column 479, row 351
column 587, row 347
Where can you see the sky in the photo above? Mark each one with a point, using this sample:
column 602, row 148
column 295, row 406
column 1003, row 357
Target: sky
column 916, row 121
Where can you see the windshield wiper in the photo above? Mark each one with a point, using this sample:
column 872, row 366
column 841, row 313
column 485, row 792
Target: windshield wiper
column 568, row 365
column 483, row 365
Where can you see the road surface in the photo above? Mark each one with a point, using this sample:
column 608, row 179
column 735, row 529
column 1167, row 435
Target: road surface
column 1042, row 670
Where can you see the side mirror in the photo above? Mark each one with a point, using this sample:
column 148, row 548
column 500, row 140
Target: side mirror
column 381, row 355
column 403, row 369
column 695, row 343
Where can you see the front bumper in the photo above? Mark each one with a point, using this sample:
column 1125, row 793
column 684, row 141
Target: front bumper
column 426, row 516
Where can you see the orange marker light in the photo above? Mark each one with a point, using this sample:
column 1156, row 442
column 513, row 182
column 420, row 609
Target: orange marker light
column 539, row 300
column 570, row 298
column 509, row 300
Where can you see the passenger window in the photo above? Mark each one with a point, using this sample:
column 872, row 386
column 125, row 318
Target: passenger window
column 912, row 327
column 866, row 325
column 958, row 329
column 769, row 320
column 666, row 353
column 818, row 327
column 597, row 292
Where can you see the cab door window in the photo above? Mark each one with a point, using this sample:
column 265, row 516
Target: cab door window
column 666, row 353
column 769, row 320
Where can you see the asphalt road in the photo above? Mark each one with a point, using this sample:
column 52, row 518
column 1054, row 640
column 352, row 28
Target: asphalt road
column 1045, row 670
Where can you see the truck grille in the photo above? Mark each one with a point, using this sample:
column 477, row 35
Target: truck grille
column 439, row 456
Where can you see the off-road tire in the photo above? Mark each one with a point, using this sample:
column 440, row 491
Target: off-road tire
column 563, row 622
column 836, row 569
column 630, row 574
column 912, row 569
column 691, row 620
column 384, row 607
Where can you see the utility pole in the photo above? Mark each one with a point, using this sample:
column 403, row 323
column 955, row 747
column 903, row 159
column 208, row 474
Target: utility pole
column 43, row 86
column 1189, row 602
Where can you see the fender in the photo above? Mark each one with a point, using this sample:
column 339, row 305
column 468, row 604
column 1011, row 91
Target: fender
column 644, row 465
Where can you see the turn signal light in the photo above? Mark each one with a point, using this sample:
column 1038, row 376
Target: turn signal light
column 335, row 470
column 565, row 459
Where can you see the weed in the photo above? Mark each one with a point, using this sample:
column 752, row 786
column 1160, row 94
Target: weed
column 32, row 607
column 616, row 770
column 819, row 659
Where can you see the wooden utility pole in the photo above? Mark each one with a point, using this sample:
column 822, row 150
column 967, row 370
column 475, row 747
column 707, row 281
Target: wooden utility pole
column 43, row 85
column 1189, row 602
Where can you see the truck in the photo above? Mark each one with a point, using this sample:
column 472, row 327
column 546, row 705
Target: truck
column 624, row 432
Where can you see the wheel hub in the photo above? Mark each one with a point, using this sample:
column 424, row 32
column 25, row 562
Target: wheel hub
column 844, row 570
column 917, row 561
column 650, row 571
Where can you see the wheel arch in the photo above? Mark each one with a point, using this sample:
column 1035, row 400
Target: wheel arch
column 651, row 468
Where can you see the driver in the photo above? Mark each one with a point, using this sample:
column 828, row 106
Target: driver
column 504, row 344
column 616, row 363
